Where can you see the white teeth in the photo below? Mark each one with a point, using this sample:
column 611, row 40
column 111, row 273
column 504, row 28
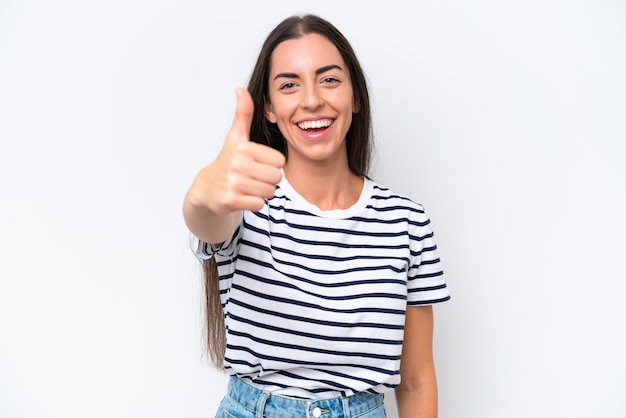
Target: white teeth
column 315, row 124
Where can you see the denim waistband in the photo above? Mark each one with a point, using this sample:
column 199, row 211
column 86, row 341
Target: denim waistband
column 263, row 403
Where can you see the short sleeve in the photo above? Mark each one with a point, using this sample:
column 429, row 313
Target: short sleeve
column 426, row 282
column 227, row 249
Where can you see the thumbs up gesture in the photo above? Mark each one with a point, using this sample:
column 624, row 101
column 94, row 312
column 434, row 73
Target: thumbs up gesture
column 241, row 177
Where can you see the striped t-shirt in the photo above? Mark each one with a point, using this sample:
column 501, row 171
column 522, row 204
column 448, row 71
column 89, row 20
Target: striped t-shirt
column 314, row 300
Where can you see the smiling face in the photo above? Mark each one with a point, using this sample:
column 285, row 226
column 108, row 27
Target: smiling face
column 311, row 100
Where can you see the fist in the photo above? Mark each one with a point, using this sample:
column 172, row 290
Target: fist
column 244, row 173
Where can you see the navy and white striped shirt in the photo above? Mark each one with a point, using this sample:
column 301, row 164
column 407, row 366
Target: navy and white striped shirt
column 314, row 300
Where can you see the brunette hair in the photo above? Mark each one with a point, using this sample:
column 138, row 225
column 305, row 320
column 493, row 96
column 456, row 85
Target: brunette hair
column 358, row 142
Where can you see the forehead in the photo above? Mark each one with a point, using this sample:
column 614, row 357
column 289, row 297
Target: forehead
column 310, row 51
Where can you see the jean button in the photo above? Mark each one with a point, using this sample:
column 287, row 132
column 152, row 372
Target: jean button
column 316, row 412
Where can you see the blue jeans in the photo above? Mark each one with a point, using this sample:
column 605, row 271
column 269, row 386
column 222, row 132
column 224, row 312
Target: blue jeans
column 246, row 401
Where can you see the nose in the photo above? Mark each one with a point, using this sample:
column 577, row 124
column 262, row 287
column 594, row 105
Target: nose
column 312, row 98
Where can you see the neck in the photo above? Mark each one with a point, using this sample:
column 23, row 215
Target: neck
column 325, row 187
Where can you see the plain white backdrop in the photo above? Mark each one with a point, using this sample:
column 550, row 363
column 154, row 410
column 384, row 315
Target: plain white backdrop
column 505, row 119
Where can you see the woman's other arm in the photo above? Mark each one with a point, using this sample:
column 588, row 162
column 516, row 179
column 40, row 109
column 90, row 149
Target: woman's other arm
column 416, row 396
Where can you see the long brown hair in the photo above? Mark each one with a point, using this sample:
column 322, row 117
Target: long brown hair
column 358, row 143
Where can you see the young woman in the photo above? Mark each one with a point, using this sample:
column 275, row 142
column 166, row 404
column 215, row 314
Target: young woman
column 319, row 281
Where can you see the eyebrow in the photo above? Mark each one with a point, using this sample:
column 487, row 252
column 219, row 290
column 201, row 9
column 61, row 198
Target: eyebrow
column 319, row 71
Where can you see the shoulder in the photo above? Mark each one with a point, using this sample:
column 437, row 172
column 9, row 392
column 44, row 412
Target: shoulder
column 383, row 195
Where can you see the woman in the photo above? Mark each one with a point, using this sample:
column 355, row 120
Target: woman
column 320, row 281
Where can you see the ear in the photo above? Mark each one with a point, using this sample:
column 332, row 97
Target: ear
column 269, row 114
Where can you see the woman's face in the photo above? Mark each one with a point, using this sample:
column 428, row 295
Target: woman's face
column 311, row 99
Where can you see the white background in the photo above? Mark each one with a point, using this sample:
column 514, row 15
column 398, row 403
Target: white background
column 505, row 119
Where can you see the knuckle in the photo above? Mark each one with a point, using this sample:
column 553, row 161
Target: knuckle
column 229, row 201
column 258, row 204
column 268, row 192
column 243, row 147
column 278, row 175
column 236, row 164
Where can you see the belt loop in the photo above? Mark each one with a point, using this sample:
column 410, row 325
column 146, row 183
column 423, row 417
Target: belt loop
column 260, row 405
column 346, row 407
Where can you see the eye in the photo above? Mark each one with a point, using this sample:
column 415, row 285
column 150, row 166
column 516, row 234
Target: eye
column 287, row 86
column 330, row 80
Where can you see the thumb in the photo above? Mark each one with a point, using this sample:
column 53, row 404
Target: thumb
column 244, row 111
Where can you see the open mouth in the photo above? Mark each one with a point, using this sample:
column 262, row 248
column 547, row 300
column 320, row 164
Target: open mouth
column 315, row 125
